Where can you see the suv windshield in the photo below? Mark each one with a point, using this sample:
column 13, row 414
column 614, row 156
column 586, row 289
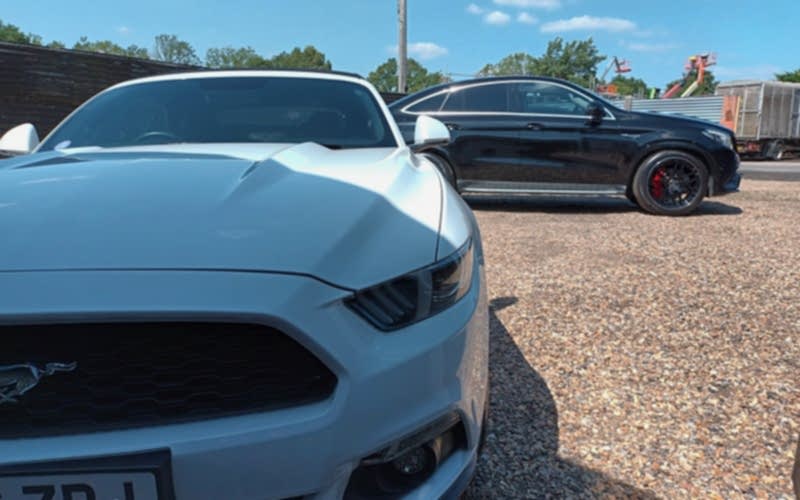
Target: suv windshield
column 337, row 114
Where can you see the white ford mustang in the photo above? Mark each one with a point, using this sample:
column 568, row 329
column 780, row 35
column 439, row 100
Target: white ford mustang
column 237, row 285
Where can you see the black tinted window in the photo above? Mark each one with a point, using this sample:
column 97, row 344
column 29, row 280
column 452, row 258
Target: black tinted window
column 233, row 110
column 481, row 98
column 429, row 105
column 549, row 98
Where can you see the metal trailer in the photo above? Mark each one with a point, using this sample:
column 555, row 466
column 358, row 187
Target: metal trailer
column 768, row 117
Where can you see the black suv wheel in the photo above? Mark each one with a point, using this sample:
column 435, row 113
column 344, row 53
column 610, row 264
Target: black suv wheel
column 670, row 183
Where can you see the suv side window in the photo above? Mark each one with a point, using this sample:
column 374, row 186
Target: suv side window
column 489, row 98
column 428, row 105
column 549, row 99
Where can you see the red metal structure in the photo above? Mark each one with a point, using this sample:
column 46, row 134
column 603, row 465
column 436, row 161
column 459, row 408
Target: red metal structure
column 620, row 67
column 697, row 63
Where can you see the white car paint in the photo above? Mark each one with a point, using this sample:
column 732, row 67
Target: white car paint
column 276, row 234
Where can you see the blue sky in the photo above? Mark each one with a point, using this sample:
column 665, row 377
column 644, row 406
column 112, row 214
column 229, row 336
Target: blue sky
column 752, row 39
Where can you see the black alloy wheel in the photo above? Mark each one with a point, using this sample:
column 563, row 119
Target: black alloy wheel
column 670, row 183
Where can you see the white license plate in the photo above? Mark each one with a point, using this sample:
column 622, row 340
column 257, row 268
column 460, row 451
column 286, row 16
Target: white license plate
column 90, row 486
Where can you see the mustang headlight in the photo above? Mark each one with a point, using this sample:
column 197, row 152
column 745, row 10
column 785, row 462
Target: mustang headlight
column 417, row 295
column 721, row 137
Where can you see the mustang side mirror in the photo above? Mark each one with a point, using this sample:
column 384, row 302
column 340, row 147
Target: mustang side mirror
column 429, row 133
column 20, row 140
column 596, row 112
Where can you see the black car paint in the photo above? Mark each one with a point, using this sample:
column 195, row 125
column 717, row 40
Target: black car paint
column 524, row 149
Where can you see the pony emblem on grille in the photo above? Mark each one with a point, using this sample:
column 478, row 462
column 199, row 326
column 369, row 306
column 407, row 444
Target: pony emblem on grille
column 16, row 380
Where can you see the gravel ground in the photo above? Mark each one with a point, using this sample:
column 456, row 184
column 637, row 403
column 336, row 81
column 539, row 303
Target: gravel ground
column 637, row 356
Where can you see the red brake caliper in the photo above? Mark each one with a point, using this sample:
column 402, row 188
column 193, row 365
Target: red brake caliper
column 657, row 184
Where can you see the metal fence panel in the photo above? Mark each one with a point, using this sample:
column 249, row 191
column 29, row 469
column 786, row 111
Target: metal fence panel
column 703, row 108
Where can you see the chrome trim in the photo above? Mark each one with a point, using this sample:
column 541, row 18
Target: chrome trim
column 541, row 188
column 457, row 88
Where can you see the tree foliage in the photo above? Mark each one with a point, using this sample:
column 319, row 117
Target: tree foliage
column 575, row 61
column 708, row 87
column 247, row 57
column 171, row 49
column 514, row 64
column 109, row 47
column 789, row 76
column 307, row 58
column 384, row 77
column 12, row 34
column 628, row 85
column 229, row 57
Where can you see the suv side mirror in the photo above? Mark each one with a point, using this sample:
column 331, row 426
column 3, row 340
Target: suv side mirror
column 596, row 112
column 429, row 133
column 20, row 140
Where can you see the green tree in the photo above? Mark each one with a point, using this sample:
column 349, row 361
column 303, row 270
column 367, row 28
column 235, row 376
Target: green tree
column 789, row 76
column 628, row 85
column 708, row 87
column 228, row 57
column 55, row 44
column 307, row 58
column 575, row 61
column 109, row 47
column 514, row 64
column 384, row 77
column 12, row 34
column 169, row 48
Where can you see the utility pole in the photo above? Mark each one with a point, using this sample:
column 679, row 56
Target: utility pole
column 402, row 46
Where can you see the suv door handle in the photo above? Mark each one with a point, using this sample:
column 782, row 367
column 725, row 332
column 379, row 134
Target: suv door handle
column 452, row 126
column 534, row 126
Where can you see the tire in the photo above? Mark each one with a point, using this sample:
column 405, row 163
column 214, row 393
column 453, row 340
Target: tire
column 776, row 151
column 670, row 183
column 444, row 168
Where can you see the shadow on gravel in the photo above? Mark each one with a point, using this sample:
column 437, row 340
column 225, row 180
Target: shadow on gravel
column 521, row 455
column 574, row 205
column 716, row 208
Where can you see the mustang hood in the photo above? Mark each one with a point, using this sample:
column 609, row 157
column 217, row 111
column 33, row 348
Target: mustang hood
column 351, row 217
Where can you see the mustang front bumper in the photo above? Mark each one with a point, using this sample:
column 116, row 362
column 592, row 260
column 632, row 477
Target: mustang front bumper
column 389, row 385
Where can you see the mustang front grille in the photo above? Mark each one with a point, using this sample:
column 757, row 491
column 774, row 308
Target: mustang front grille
column 70, row 378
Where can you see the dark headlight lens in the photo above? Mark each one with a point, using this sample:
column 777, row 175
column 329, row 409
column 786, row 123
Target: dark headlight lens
column 417, row 295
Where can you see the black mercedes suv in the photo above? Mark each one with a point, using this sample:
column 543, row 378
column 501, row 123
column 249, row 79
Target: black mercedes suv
column 546, row 136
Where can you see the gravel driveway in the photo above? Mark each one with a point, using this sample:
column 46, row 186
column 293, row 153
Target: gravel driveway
column 640, row 356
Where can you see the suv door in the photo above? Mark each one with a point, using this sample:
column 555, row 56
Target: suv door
column 560, row 144
column 485, row 134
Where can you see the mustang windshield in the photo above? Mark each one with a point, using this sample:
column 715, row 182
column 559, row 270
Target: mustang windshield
column 247, row 109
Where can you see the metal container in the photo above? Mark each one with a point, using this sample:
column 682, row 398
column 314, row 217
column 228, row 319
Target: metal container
column 767, row 110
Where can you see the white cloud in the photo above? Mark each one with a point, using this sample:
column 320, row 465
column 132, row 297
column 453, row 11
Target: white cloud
column 426, row 50
column 531, row 4
column 124, row 30
column 475, row 9
column 651, row 47
column 756, row 72
column 497, row 18
column 422, row 50
column 526, row 18
column 586, row 23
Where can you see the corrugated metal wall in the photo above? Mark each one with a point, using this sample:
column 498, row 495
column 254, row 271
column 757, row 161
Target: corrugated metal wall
column 768, row 110
column 704, row 108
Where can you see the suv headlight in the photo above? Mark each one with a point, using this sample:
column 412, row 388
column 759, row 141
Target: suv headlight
column 417, row 295
column 721, row 137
